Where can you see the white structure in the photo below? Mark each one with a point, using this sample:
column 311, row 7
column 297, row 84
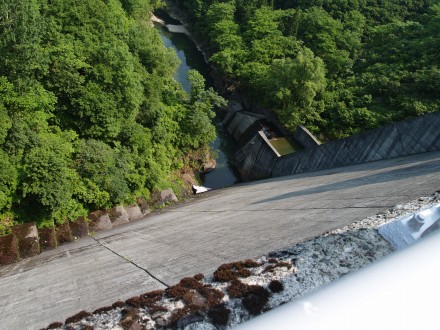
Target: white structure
column 405, row 231
column 399, row 292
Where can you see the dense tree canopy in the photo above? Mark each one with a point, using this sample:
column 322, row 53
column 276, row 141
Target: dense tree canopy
column 375, row 61
column 90, row 115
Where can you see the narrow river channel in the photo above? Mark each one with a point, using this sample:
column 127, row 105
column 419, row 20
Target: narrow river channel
column 190, row 57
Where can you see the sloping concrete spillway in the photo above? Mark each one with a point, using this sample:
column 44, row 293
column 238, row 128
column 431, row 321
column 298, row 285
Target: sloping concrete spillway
column 226, row 225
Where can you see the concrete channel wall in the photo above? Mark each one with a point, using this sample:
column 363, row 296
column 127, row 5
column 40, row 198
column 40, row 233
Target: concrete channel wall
column 256, row 160
column 26, row 240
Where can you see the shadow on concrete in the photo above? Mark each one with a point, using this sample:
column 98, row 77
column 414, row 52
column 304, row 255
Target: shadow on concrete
column 387, row 176
column 362, row 167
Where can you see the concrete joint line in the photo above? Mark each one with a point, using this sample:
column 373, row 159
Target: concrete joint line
column 128, row 260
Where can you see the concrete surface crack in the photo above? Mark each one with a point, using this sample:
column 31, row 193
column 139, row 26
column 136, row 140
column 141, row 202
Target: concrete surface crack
column 128, row 260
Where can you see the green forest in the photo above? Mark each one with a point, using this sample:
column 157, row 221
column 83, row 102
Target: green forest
column 336, row 66
column 91, row 116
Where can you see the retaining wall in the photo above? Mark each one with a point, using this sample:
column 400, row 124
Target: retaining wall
column 305, row 137
column 27, row 241
column 417, row 135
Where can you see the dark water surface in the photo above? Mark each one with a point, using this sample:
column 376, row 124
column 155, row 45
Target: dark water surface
column 191, row 58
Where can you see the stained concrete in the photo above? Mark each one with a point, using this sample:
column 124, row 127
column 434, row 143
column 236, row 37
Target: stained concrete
column 222, row 226
column 305, row 137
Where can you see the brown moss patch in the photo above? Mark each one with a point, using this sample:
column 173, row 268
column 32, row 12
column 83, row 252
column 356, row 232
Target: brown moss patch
column 189, row 297
column 176, row 291
column 274, row 266
column 55, row 325
column 150, row 300
column 77, row 317
column 249, row 263
column 213, row 296
column 219, row 315
column 118, row 304
column 255, row 299
column 276, row 286
column 199, row 277
column 235, row 270
column 156, row 308
column 130, row 318
column 224, row 275
column 237, row 289
column 153, row 294
column 195, row 294
column 134, row 302
column 103, row 310
column 194, row 298
column 229, row 272
column 190, row 283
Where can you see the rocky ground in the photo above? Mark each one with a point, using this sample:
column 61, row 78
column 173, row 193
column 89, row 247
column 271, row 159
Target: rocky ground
column 238, row 291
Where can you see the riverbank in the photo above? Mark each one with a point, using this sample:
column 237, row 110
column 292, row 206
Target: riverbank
column 224, row 174
column 227, row 87
column 238, row 291
column 176, row 13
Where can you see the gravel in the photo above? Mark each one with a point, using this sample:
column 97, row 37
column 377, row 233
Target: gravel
column 297, row 270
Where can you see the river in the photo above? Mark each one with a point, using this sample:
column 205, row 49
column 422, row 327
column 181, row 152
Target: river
column 190, row 57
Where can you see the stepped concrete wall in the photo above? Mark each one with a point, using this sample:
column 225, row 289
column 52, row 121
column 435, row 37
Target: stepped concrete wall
column 413, row 136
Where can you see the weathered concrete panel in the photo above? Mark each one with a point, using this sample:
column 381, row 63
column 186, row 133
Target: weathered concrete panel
column 293, row 162
column 412, row 136
column 48, row 238
column 27, row 238
column 233, row 108
column 134, row 212
column 79, row 227
column 9, row 252
column 118, row 216
column 305, row 137
column 64, row 235
column 99, row 220
column 240, row 124
column 420, row 134
column 256, row 159
column 168, row 196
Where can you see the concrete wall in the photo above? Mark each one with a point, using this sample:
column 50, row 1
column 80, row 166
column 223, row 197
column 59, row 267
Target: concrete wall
column 305, row 137
column 256, row 159
column 421, row 134
column 28, row 241
column 240, row 123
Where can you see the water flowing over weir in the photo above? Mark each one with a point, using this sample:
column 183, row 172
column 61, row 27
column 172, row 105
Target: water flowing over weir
column 190, row 57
